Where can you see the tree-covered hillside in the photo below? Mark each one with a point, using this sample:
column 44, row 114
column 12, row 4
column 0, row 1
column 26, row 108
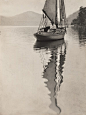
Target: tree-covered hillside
column 81, row 18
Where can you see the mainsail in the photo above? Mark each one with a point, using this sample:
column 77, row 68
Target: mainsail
column 62, row 11
column 50, row 10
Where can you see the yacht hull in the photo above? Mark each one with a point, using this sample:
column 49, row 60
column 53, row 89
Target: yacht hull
column 49, row 36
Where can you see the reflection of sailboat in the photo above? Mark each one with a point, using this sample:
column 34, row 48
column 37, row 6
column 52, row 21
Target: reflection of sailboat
column 48, row 45
column 53, row 21
column 54, row 69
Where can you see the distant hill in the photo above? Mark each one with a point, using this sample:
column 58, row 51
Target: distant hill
column 72, row 16
column 28, row 18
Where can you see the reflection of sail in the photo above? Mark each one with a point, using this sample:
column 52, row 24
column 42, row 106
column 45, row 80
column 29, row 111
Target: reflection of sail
column 54, row 69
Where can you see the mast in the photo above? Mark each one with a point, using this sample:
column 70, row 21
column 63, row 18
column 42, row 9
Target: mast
column 56, row 21
column 60, row 11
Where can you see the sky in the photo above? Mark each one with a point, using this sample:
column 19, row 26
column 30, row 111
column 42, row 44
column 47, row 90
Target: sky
column 14, row 7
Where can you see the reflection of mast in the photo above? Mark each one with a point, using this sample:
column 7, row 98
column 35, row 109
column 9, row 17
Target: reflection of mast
column 53, row 70
column 61, row 61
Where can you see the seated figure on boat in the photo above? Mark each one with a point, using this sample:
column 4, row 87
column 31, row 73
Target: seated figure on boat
column 46, row 29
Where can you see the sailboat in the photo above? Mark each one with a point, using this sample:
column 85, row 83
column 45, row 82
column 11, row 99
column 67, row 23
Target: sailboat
column 52, row 25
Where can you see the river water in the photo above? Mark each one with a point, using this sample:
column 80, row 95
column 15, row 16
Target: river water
column 42, row 78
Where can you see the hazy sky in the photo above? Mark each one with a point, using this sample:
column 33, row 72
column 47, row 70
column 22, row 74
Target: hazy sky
column 13, row 7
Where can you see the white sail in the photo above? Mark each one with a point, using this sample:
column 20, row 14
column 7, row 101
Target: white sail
column 62, row 11
column 50, row 10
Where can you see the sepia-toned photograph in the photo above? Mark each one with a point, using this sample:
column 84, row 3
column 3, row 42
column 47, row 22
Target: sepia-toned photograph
column 42, row 57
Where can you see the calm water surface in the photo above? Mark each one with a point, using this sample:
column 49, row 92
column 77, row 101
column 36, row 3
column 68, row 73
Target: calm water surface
column 42, row 78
